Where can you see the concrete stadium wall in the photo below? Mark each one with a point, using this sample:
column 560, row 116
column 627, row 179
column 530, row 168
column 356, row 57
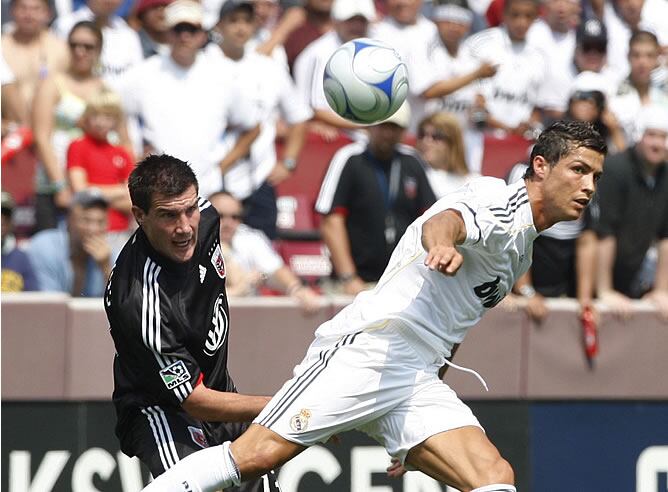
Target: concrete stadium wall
column 55, row 348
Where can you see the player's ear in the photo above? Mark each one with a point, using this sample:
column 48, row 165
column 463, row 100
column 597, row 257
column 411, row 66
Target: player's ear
column 540, row 166
column 139, row 214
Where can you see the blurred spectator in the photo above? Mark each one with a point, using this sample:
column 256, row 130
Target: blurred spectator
column 251, row 250
column 14, row 112
column 440, row 143
column 121, row 48
column 266, row 16
column 17, row 271
column 186, row 83
column 94, row 162
column 30, row 50
column 265, row 82
column 637, row 90
column 351, row 20
column 59, row 102
column 589, row 102
column 75, row 258
column 631, row 219
column 509, row 98
column 590, row 56
column 317, row 22
column 153, row 33
column 369, row 196
column 447, row 75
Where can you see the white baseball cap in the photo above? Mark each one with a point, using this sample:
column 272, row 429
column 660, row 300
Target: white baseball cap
column 346, row 9
column 184, row 12
column 591, row 81
column 402, row 117
column 652, row 117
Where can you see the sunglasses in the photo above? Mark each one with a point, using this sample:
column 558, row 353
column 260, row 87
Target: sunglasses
column 86, row 46
column 436, row 136
column 237, row 217
column 185, row 27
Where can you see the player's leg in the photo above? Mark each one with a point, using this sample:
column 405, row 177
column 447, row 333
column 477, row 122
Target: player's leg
column 465, row 459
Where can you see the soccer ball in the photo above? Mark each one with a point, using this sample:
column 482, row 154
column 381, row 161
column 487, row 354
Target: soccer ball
column 365, row 81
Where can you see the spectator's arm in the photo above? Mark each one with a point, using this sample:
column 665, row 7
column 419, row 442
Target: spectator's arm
column 331, row 118
column 13, row 108
column 616, row 301
column 308, row 300
column 535, row 307
column 586, row 251
column 294, row 141
column 444, row 87
column 335, row 236
column 291, row 19
column 659, row 294
column 241, row 148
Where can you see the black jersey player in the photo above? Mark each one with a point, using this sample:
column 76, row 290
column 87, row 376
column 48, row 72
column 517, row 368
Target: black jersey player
column 169, row 319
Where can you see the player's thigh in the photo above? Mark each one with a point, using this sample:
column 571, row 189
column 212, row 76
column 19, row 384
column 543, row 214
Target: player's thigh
column 464, row 458
column 163, row 436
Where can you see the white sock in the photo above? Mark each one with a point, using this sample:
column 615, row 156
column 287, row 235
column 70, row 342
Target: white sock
column 207, row 470
column 496, row 487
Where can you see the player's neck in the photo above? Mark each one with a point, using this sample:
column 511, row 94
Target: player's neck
column 537, row 204
column 231, row 51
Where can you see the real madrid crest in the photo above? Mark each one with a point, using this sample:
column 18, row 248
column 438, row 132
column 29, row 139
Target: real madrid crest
column 299, row 422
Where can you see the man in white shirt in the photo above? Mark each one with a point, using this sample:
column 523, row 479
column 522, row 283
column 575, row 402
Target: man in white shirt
column 351, row 20
column 377, row 365
column 268, row 85
column 511, row 95
column 186, row 101
column 121, row 47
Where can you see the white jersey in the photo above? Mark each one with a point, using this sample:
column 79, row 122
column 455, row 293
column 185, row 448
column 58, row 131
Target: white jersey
column 185, row 112
column 436, row 308
column 309, row 69
column 268, row 86
column 626, row 106
column 121, row 47
column 512, row 93
column 252, row 251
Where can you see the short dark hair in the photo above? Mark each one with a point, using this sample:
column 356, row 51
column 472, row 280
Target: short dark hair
column 163, row 174
column 562, row 138
column 643, row 37
column 507, row 4
column 91, row 26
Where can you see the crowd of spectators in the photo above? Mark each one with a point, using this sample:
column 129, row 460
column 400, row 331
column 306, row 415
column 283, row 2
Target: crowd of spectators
column 95, row 85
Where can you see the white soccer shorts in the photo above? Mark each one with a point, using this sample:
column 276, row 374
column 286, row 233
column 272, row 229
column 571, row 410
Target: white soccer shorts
column 383, row 382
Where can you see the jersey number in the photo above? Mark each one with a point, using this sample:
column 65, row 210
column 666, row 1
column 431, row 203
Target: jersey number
column 489, row 293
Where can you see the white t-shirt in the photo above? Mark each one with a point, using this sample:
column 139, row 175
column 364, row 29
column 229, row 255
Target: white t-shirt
column 252, row 251
column 185, row 112
column 626, row 106
column 512, row 93
column 439, row 309
column 267, row 85
column 435, row 64
column 121, row 47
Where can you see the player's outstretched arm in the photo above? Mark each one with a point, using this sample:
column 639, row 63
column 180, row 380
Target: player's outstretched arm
column 440, row 234
column 218, row 406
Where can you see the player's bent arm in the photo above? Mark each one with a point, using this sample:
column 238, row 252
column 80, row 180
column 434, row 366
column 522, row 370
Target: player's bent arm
column 218, row 406
column 240, row 149
column 440, row 234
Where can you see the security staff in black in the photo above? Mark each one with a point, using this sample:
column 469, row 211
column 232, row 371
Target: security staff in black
column 169, row 318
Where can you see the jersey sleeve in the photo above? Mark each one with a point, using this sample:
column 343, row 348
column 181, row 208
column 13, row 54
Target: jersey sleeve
column 336, row 186
column 76, row 155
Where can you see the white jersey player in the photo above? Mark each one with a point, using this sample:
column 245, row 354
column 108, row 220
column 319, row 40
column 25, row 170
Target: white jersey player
column 375, row 366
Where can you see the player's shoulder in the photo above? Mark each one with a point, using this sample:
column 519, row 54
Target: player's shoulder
column 490, row 191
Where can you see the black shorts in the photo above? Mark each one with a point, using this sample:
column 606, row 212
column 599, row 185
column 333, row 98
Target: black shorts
column 160, row 437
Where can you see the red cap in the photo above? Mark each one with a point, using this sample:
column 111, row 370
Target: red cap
column 144, row 5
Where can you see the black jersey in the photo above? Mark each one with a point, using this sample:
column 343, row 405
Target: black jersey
column 169, row 322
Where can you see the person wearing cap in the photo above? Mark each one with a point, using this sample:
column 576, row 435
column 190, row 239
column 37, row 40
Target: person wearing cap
column 638, row 90
column 630, row 218
column 267, row 83
column 153, row 31
column 121, row 49
column 447, row 75
column 352, row 20
column 186, row 101
column 75, row 258
column 369, row 196
column 18, row 274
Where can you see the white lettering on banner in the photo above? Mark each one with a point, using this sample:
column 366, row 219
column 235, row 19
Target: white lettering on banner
column 94, row 462
column 315, row 459
column 652, row 462
column 364, row 461
column 46, row 476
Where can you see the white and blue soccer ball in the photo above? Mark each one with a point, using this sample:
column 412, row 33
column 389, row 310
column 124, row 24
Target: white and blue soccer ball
column 365, row 81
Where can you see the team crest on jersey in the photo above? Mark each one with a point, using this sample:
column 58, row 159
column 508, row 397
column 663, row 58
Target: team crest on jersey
column 410, row 188
column 299, row 422
column 218, row 332
column 218, row 262
column 198, row 437
column 175, row 374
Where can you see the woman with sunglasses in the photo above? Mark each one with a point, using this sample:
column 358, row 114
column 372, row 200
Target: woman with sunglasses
column 440, row 143
column 59, row 103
